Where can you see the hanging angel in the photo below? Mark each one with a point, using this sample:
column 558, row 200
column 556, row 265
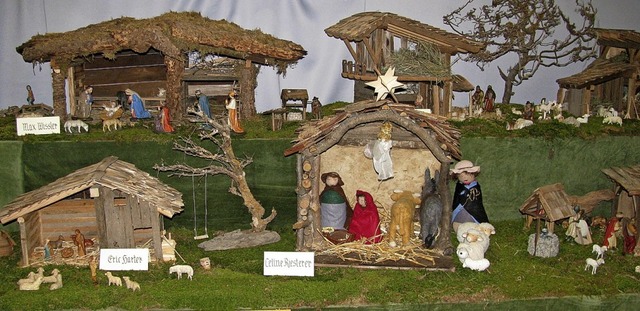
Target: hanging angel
column 380, row 151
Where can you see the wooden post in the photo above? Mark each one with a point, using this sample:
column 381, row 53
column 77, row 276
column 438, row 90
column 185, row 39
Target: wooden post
column 23, row 242
column 72, row 91
column 586, row 100
column 59, row 97
column 631, row 97
column 436, row 99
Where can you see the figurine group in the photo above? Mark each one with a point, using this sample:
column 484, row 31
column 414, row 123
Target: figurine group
column 202, row 106
column 362, row 222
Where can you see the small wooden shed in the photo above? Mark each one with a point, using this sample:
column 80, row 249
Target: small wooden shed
column 337, row 143
column 607, row 78
column 627, row 189
column 111, row 201
column 548, row 203
column 372, row 38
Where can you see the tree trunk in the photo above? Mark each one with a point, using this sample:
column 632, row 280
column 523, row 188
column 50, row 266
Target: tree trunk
column 175, row 69
column 248, row 85
column 508, row 85
column 59, row 97
column 258, row 224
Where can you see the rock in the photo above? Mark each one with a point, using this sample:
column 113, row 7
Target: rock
column 240, row 239
column 548, row 245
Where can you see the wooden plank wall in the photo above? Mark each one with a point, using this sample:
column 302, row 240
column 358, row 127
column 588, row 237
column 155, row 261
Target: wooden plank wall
column 33, row 231
column 64, row 217
column 143, row 73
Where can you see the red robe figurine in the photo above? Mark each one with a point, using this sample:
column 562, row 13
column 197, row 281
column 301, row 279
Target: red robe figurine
column 365, row 223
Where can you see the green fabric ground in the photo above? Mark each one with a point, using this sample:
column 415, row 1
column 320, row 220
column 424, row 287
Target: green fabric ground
column 511, row 170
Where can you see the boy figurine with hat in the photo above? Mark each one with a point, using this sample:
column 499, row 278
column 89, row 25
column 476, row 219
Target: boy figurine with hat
column 467, row 198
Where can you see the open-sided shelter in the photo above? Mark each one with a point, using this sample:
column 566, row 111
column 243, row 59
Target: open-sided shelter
column 373, row 37
column 144, row 54
column 627, row 188
column 337, row 143
column 112, row 201
column 610, row 79
column 548, row 203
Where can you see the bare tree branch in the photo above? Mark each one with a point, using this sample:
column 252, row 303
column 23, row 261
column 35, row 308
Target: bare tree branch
column 222, row 161
column 525, row 29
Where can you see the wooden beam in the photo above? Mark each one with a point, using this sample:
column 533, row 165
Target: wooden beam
column 350, row 48
column 24, row 245
column 373, row 55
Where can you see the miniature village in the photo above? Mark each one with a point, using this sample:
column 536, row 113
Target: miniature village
column 383, row 189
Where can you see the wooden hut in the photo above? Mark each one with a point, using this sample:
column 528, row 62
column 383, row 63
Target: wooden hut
column 627, row 188
column 611, row 79
column 145, row 54
column 111, row 201
column 373, row 37
column 337, row 143
column 548, row 203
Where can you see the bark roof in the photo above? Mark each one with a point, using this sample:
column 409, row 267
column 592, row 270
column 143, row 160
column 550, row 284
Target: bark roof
column 446, row 138
column 173, row 34
column 360, row 26
column 111, row 173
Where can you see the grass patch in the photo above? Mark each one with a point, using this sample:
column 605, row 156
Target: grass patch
column 236, row 280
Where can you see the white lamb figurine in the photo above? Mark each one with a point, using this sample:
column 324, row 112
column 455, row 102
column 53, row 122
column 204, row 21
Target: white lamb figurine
column 57, row 284
column 613, row 120
column 77, row 124
column 484, row 227
column 115, row 280
column 29, row 279
column 180, row 269
column 31, row 286
column 594, row 264
column 599, row 250
column 51, row 278
column 132, row 285
column 473, row 251
column 477, row 265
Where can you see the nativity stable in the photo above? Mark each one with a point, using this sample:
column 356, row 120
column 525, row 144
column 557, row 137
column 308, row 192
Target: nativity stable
column 611, row 79
column 420, row 141
column 420, row 53
column 111, row 202
column 147, row 54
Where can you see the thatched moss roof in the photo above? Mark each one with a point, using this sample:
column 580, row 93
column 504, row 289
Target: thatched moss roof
column 173, row 34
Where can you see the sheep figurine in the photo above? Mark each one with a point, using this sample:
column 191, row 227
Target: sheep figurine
column 599, row 250
column 29, row 279
column 51, row 278
column 473, row 232
column 132, row 285
column 180, row 269
column 485, row 227
column 594, row 264
column 115, row 280
column 35, row 285
column 57, row 284
column 473, row 251
column 476, row 265
column 612, row 120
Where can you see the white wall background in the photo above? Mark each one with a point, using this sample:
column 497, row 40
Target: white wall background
column 301, row 21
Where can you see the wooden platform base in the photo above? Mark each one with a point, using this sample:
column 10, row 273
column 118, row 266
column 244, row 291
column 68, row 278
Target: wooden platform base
column 444, row 263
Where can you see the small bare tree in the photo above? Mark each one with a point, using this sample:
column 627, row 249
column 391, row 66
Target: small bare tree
column 525, row 29
column 224, row 162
